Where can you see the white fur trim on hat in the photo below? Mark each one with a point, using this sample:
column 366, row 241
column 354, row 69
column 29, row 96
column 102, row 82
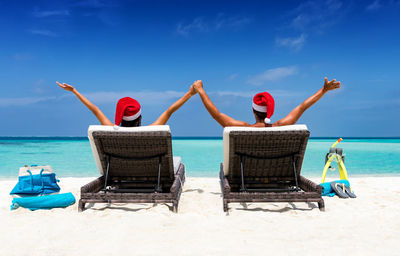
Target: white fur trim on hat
column 260, row 108
column 131, row 118
column 267, row 120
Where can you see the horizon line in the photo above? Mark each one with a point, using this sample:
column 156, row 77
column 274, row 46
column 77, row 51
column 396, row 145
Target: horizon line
column 183, row 137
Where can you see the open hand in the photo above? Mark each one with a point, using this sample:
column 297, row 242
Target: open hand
column 331, row 85
column 66, row 87
column 198, row 85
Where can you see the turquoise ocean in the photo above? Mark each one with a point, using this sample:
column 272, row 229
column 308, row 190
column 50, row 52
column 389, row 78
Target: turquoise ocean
column 72, row 157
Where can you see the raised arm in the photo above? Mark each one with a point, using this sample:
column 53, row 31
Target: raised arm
column 174, row 107
column 296, row 113
column 95, row 110
column 221, row 118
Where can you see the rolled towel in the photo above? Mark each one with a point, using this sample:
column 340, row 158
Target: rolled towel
column 327, row 190
column 44, row 202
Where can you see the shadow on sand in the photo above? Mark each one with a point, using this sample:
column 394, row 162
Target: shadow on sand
column 122, row 207
column 312, row 206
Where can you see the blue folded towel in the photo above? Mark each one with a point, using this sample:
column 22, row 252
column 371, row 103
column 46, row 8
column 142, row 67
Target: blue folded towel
column 327, row 189
column 44, row 202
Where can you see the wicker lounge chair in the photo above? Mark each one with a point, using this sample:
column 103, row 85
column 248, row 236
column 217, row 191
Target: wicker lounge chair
column 264, row 164
column 136, row 166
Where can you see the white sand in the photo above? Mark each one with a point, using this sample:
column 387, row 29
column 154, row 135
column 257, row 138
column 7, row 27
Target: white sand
column 368, row 225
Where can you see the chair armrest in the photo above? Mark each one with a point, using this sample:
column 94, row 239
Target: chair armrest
column 309, row 186
column 93, row 186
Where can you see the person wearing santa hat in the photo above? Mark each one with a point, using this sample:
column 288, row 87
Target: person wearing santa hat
column 263, row 107
column 129, row 111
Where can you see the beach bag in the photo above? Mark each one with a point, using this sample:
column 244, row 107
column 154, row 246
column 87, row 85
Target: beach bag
column 36, row 180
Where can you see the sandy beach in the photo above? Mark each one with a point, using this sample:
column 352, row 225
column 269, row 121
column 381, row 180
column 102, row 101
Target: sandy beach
column 368, row 225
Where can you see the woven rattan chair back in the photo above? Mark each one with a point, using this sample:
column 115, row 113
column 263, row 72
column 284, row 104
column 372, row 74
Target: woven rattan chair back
column 136, row 156
column 267, row 156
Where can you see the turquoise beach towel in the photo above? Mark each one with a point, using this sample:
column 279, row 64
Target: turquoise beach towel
column 327, row 190
column 44, row 202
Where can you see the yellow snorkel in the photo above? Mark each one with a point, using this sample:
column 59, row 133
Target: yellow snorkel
column 335, row 154
column 334, row 144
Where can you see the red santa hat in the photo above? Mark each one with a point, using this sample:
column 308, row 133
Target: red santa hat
column 128, row 109
column 263, row 102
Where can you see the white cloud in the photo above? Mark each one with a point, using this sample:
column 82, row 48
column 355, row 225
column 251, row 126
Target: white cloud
column 94, row 3
column 42, row 32
column 220, row 22
column 197, row 25
column 374, row 6
column 274, row 74
column 244, row 94
column 23, row 101
column 232, row 77
column 43, row 14
column 235, row 22
column 144, row 97
column 283, row 93
column 312, row 17
column 294, row 43
column 106, row 11
column 317, row 15
column 250, row 94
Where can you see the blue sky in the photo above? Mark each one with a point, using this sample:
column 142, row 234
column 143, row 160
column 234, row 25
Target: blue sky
column 154, row 50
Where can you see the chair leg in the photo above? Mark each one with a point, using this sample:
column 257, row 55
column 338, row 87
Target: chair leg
column 81, row 206
column 175, row 207
column 225, row 202
column 321, row 205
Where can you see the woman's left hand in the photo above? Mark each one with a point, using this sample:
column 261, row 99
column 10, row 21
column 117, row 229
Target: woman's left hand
column 66, row 87
column 331, row 85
